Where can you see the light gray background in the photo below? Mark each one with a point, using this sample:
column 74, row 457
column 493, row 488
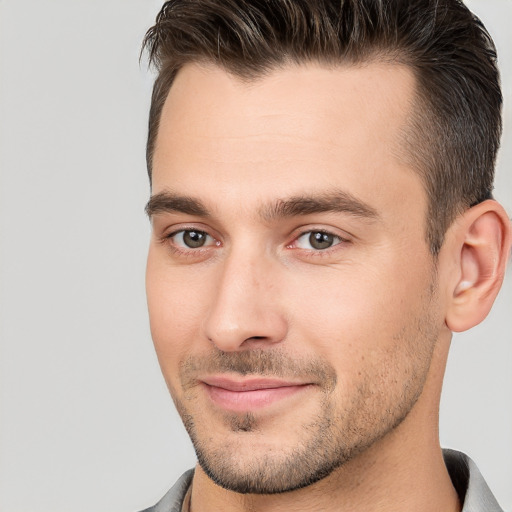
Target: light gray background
column 85, row 421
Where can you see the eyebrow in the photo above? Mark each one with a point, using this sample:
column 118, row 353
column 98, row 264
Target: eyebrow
column 337, row 201
column 166, row 202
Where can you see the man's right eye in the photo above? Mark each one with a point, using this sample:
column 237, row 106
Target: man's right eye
column 191, row 239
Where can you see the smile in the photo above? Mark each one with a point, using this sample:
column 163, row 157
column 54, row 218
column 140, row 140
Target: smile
column 249, row 394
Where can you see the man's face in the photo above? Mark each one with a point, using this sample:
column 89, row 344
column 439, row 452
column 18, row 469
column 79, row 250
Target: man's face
column 290, row 288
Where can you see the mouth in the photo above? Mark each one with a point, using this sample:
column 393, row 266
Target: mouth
column 251, row 393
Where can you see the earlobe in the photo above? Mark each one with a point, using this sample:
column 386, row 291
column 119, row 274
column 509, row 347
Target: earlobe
column 483, row 246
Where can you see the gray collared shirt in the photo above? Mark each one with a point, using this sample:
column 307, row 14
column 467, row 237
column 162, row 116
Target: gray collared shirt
column 467, row 480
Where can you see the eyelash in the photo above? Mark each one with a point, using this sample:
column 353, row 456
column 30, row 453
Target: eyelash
column 338, row 240
column 190, row 251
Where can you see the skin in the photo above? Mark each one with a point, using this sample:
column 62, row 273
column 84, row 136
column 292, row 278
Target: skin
column 358, row 332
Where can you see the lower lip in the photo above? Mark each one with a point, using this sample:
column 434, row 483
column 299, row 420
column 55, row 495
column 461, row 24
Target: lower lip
column 244, row 401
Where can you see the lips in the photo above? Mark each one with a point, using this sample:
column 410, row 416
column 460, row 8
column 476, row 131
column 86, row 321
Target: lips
column 248, row 394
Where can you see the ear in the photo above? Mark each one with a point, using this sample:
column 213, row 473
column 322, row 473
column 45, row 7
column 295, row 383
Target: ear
column 481, row 245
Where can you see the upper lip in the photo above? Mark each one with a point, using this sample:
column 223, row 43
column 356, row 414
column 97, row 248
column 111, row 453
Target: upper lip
column 247, row 383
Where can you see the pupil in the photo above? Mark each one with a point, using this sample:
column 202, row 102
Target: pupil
column 320, row 240
column 194, row 239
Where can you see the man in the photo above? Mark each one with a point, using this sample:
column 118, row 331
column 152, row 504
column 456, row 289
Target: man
column 321, row 204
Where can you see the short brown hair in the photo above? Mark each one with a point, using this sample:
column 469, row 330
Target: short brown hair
column 454, row 137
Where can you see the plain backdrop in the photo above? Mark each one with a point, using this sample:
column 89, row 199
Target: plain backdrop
column 86, row 423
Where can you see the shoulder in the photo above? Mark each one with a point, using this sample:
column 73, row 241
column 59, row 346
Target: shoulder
column 473, row 490
column 173, row 499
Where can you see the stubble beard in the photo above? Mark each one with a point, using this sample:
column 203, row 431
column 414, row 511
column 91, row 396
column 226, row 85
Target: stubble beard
column 317, row 456
column 332, row 437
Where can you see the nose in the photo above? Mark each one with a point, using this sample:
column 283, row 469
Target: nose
column 245, row 311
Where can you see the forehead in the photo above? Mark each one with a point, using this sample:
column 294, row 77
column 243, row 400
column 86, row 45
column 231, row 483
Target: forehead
column 297, row 129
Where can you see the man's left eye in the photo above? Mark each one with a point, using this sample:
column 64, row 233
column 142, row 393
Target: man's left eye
column 317, row 240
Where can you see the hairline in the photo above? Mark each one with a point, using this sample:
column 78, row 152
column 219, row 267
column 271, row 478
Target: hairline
column 249, row 75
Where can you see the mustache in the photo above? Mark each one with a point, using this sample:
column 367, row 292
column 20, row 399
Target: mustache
column 265, row 363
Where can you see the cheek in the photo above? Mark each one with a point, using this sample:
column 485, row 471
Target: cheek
column 175, row 304
column 343, row 300
column 352, row 313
